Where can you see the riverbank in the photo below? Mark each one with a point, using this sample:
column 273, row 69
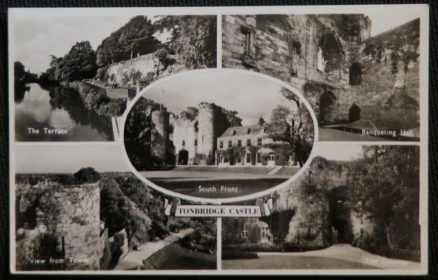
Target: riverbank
column 95, row 99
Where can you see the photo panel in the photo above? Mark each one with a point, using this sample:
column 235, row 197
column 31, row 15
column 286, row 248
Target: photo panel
column 280, row 140
column 77, row 88
column 73, row 213
column 360, row 72
column 358, row 209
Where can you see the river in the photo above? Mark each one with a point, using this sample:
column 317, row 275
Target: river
column 56, row 113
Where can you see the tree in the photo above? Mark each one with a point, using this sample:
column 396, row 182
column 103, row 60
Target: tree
column 87, row 175
column 135, row 37
column 293, row 127
column 21, row 76
column 140, row 134
column 193, row 39
column 385, row 187
column 78, row 64
column 190, row 113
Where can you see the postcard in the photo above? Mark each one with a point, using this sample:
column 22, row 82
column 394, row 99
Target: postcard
column 273, row 140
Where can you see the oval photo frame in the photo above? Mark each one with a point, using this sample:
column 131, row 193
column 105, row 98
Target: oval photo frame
column 159, row 115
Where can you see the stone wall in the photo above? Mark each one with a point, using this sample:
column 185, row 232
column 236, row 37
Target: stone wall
column 70, row 215
column 199, row 135
column 316, row 53
column 309, row 196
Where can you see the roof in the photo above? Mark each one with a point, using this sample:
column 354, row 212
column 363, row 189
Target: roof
column 242, row 130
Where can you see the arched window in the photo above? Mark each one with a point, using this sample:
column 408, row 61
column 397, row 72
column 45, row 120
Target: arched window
column 330, row 53
column 355, row 74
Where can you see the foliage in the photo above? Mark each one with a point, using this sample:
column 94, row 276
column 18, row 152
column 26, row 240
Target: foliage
column 294, row 127
column 87, row 175
column 140, row 134
column 193, row 39
column 232, row 231
column 386, row 190
column 190, row 113
column 21, row 76
column 132, row 39
column 78, row 64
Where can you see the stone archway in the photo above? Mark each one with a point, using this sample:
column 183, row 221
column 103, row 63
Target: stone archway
column 183, row 157
column 354, row 113
column 327, row 108
column 339, row 215
column 330, row 53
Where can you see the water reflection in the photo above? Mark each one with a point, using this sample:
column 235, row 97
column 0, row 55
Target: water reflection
column 55, row 107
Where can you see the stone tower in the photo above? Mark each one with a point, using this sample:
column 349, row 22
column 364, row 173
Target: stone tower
column 206, row 135
column 160, row 120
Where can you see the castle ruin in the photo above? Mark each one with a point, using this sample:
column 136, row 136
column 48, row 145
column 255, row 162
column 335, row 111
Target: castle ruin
column 344, row 73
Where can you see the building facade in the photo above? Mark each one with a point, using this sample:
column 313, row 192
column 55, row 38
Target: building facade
column 209, row 138
column 251, row 146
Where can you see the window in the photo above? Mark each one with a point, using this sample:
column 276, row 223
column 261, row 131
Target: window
column 230, row 144
column 259, row 158
column 233, row 132
column 294, row 53
column 249, row 41
column 239, row 143
column 355, row 77
column 196, row 142
column 271, row 157
column 221, row 144
column 248, row 158
column 239, row 160
column 183, row 142
column 248, row 131
column 259, row 142
column 248, row 142
column 245, row 231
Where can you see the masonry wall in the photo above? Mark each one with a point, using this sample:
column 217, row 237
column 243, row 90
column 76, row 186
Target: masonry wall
column 71, row 215
column 184, row 130
column 210, row 123
column 309, row 196
column 287, row 47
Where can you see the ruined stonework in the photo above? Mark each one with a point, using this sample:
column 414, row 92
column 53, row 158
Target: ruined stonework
column 345, row 74
column 195, row 139
column 69, row 216
column 319, row 198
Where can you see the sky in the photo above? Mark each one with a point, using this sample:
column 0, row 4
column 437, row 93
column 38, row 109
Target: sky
column 37, row 37
column 69, row 158
column 251, row 96
column 384, row 20
column 343, row 152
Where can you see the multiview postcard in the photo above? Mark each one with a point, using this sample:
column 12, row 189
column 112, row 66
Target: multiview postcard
column 219, row 141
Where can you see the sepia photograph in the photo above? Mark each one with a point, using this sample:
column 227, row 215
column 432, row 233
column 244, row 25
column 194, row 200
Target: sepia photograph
column 80, row 208
column 77, row 88
column 359, row 72
column 192, row 135
column 355, row 207
column 251, row 140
